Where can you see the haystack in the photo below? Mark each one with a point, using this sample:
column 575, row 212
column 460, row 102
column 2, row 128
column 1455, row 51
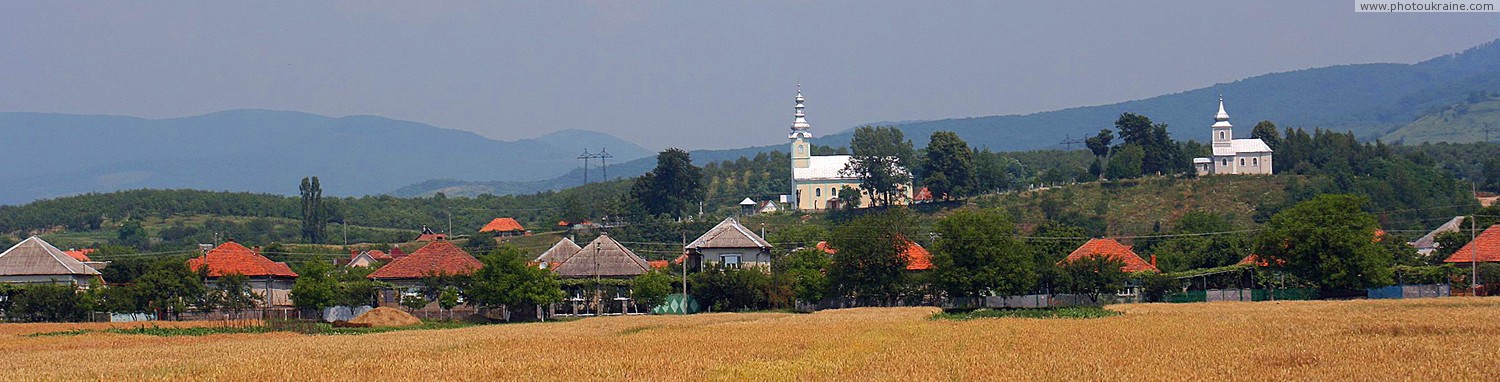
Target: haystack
column 382, row 317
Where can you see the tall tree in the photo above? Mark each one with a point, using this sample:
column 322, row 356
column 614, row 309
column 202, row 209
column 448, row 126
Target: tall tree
column 674, row 187
column 507, row 281
column 881, row 159
column 868, row 263
column 314, row 219
column 1266, row 131
column 949, row 166
column 1126, row 162
column 1328, row 240
column 131, row 234
column 977, row 253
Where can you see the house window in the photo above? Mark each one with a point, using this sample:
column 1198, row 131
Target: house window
column 731, row 261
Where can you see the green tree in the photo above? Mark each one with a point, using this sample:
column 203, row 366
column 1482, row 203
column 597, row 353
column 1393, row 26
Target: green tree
column 949, row 167
column 1329, row 241
column 1266, row 132
column 881, row 160
column 849, row 197
column 315, row 287
column 651, row 288
column 807, row 269
column 868, row 262
column 977, row 254
column 413, row 302
column 232, row 293
column 314, row 218
column 447, row 298
column 507, row 281
column 1126, row 162
column 1093, row 276
column 131, row 234
column 171, row 288
column 674, row 187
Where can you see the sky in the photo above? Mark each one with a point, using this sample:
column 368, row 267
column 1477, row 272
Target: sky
column 692, row 74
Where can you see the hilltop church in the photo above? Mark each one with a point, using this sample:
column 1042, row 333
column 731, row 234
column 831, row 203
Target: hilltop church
column 816, row 179
column 1233, row 156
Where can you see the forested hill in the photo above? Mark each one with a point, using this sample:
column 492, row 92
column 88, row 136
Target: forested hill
column 51, row 155
column 1367, row 99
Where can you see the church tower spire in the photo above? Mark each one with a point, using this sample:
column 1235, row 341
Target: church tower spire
column 799, row 120
column 801, row 148
column 1223, row 131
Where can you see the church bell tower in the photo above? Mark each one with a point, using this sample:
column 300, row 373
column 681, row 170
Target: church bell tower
column 801, row 148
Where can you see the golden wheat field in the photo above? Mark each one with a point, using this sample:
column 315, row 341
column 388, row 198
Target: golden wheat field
column 1432, row 339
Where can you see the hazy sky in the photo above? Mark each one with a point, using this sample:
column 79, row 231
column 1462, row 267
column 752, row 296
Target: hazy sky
column 698, row 74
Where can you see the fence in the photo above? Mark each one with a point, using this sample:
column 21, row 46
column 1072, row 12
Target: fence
column 1410, row 291
column 1241, row 295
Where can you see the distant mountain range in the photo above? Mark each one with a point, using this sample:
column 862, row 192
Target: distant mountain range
column 50, row 155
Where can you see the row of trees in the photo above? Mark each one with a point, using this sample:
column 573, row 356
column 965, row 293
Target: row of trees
column 167, row 288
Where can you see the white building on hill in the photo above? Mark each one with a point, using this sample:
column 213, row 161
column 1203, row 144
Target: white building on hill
column 1233, row 156
column 816, row 179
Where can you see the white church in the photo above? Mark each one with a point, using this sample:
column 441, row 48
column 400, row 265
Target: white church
column 1233, row 156
column 816, row 179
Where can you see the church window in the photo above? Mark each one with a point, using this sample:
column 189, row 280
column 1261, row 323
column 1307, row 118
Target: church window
column 1255, row 161
column 1221, row 135
column 1242, row 161
column 817, row 192
column 1226, row 161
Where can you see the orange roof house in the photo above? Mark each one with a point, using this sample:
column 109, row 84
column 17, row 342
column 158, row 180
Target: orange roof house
column 1484, row 249
column 439, row 257
column 503, row 225
column 917, row 258
column 1111, row 249
column 923, row 195
column 79, row 254
column 233, row 258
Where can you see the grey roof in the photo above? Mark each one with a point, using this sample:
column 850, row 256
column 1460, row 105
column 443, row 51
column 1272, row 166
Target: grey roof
column 559, row 252
column 604, row 257
column 35, row 256
column 729, row 234
column 1430, row 239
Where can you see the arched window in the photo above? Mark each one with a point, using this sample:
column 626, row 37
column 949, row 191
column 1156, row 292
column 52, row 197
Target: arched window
column 1226, row 162
column 1242, row 161
column 1255, row 161
column 834, row 192
column 817, row 192
column 1221, row 135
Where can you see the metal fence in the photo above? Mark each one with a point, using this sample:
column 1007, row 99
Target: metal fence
column 1410, row 291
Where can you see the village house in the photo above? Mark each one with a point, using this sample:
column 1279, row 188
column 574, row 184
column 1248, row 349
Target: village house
column 603, row 258
column 429, row 235
column 34, row 261
column 1485, row 248
column 1427, row 244
column 1109, row 248
column 817, row 179
column 271, row 280
column 730, row 245
column 437, row 258
column 1233, row 156
column 366, row 259
column 504, row 227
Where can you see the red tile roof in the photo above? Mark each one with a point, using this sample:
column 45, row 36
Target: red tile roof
column 502, row 225
column 374, row 254
column 1111, row 249
column 431, row 237
column 923, row 194
column 659, row 264
column 1259, row 262
column 1487, row 245
column 233, row 258
column 79, row 254
column 917, row 258
column 436, row 258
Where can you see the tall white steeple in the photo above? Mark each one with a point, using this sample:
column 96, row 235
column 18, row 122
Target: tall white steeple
column 799, row 120
column 801, row 148
column 1223, row 131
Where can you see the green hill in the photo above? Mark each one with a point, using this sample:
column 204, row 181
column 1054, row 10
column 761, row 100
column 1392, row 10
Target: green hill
column 1461, row 123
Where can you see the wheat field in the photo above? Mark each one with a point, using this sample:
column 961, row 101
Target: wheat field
column 1432, row 339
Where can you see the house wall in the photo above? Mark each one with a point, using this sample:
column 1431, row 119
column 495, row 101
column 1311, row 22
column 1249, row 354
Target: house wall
column 749, row 257
column 273, row 292
column 813, row 195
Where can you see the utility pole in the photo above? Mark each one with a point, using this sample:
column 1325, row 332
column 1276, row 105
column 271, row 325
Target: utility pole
column 604, row 162
column 1473, row 255
column 1068, row 141
column 684, row 272
column 598, row 292
column 585, row 157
